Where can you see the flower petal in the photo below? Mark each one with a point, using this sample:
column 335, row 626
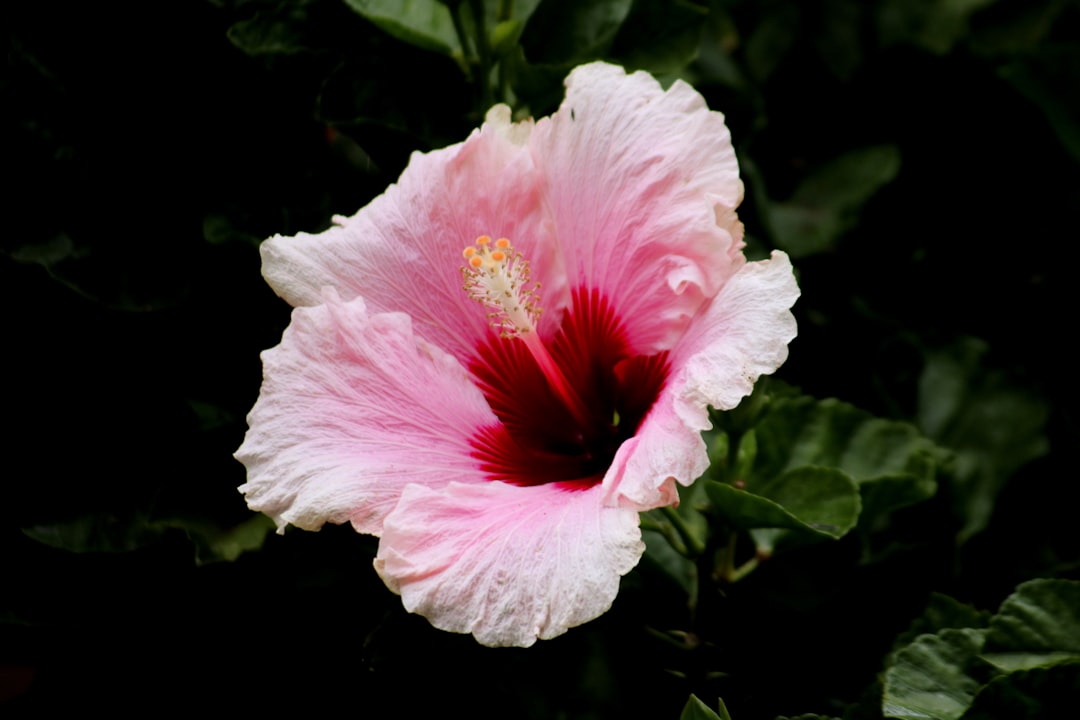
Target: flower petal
column 402, row 252
column 742, row 334
column 646, row 468
column 353, row 407
column 643, row 184
column 508, row 564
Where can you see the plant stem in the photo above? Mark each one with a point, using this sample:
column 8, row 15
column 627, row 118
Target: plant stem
column 463, row 38
column 694, row 546
column 483, row 48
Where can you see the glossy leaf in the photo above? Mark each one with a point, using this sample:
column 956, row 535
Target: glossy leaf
column 823, row 501
column 424, row 23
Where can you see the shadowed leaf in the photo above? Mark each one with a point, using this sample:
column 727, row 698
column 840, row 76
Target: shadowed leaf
column 1037, row 625
column 568, row 32
column 994, row 428
column 942, row 612
column 930, row 678
column 1044, row 693
column 101, row 532
column 827, row 203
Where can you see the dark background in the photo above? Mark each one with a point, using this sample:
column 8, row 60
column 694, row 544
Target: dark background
column 149, row 148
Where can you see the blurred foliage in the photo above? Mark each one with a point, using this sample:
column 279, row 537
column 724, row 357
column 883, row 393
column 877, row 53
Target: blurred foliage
column 920, row 161
column 697, row 710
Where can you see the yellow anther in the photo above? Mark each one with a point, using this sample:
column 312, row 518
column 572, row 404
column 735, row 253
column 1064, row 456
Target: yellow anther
column 497, row 277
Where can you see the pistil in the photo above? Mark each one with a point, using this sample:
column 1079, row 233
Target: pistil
column 497, row 276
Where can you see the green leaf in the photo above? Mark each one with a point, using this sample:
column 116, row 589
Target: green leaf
column 887, row 463
column 271, row 31
column 506, row 28
column 660, row 552
column 771, row 40
column 840, row 41
column 426, row 24
column 568, row 32
column 931, row 678
column 942, row 612
column 801, row 430
column 664, row 544
column 215, row 544
column 660, row 36
column 934, row 25
column 102, row 532
column 220, row 229
column 819, row 500
column 1045, row 693
column 893, row 464
column 697, row 710
column 827, row 203
column 47, row 254
column 1048, row 78
column 505, row 36
column 1036, row 630
column 993, row 427
column 1037, row 625
column 1024, row 29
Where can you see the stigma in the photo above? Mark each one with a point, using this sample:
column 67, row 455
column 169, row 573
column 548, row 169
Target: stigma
column 497, row 276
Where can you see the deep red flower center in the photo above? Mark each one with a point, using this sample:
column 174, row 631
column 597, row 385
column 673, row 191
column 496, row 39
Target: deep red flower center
column 539, row 439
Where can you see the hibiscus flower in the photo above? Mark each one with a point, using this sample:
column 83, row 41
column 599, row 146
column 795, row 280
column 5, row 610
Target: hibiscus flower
column 501, row 361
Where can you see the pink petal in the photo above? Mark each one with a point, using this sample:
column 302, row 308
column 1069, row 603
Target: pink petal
column 402, row 252
column 742, row 334
column 379, row 411
column 642, row 184
column 508, row 564
column 647, row 467
column 354, row 407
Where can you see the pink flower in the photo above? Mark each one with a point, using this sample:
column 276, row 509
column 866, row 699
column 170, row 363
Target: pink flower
column 502, row 438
